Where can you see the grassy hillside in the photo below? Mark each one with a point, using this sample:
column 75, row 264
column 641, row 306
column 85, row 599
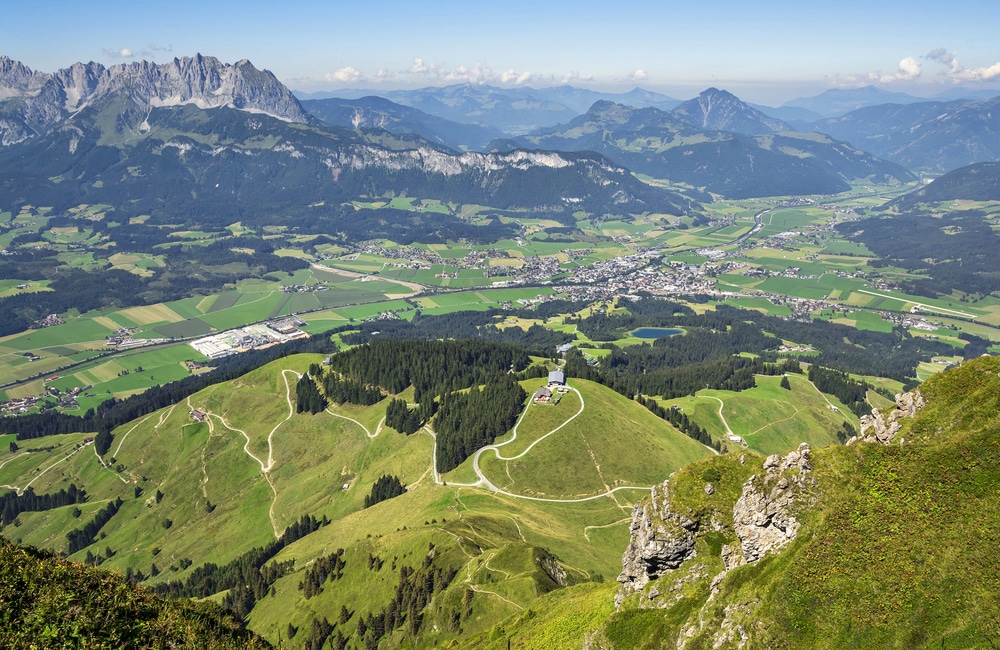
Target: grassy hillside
column 612, row 443
column 47, row 603
column 769, row 418
column 892, row 554
column 195, row 492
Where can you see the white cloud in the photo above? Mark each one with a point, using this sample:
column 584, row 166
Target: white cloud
column 124, row 53
column 477, row 73
column 516, row 78
column 640, row 75
column 419, row 67
column 909, row 70
column 958, row 72
column 383, row 75
column 346, row 74
column 570, row 77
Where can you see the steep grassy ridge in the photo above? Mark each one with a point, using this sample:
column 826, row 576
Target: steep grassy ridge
column 48, row 603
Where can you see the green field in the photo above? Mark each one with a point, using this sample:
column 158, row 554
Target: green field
column 611, row 444
column 769, row 418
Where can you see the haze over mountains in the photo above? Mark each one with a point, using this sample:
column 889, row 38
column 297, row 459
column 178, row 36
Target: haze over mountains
column 718, row 143
column 714, row 142
column 93, row 134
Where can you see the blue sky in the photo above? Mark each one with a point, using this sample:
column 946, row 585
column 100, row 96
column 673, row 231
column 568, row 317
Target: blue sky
column 767, row 51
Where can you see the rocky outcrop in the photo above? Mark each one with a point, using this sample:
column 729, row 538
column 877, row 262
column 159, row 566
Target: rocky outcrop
column 661, row 540
column 764, row 521
column 45, row 99
column 881, row 428
column 764, row 515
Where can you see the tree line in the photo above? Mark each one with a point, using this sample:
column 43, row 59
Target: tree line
column 469, row 420
column 404, row 419
column 308, row 399
column 330, row 566
column 851, row 392
column 894, row 354
column 11, row 504
column 83, row 537
column 432, row 367
column 247, row 577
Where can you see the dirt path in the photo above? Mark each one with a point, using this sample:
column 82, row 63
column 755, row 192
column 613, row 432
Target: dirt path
column 14, row 458
column 485, row 482
column 480, row 590
column 368, row 433
column 586, row 529
column 265, row 468
column 134, row 427
column 20, row 490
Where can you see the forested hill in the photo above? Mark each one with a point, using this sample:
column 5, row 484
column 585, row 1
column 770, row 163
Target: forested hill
column 979, row 182
column 666, row 145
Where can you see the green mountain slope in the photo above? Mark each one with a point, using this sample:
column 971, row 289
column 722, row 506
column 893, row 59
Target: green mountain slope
column 665, row 145
column 47, row 603
column 212, row 167
column 873, row 545
column 979, row 182
column 193, row 492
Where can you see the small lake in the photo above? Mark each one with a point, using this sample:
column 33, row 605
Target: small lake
column 655, row 332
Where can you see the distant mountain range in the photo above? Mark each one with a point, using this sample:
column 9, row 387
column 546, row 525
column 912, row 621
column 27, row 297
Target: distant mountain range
column 369, row 113
column 139, row 137
column 33, row 101
column 921, row 135
column 87, row 133
column 513, row 111
column 932, row 137
column 838, row 101
column 756, row 162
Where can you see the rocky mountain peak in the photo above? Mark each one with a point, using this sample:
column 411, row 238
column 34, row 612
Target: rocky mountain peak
column 15, row 78
column 882, row 428
column 720, row 110
column 200, row 80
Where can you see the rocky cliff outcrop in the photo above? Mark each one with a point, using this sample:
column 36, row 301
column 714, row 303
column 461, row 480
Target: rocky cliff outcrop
column 881, row 428
column 764, row 520
column 764, row 516
column 661, row 540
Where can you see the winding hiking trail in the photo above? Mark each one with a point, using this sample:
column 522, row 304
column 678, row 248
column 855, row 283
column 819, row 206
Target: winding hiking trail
column 20, row 490
column 722, row 417
column 265, row 468
column 378, row 429
column 485, row 482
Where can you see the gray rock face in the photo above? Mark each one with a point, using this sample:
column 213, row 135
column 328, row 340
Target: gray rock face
column 661, row 540
column 44, row 99
column 763, row 516
column 16, row 78
column 882, row 429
